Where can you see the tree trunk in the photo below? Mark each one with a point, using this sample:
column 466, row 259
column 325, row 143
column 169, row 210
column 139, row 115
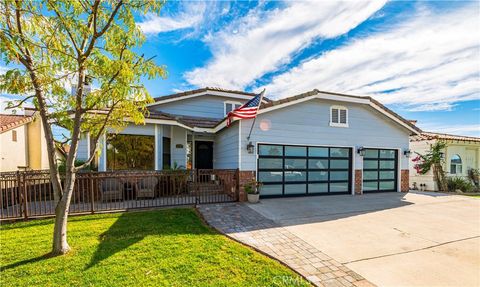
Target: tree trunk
column 440, row 177
column 60, row 243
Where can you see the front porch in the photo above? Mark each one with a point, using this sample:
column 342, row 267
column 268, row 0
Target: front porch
column 155, row 147
column 30, row 194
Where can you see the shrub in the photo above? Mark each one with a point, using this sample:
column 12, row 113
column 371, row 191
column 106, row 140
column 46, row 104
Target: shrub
column 455, row 183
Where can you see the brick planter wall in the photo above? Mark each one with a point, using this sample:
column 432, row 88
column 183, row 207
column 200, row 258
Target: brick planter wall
column 404, row 180
column 358, row 181
column 244, row 177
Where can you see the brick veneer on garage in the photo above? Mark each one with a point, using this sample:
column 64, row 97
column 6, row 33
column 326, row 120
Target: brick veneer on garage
column 404, row 180
column 358, row 181
column 244, row 177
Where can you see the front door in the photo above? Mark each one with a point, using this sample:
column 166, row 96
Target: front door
column 203, row 155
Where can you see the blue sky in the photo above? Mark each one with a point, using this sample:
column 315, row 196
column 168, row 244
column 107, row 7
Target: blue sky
column 422, row 59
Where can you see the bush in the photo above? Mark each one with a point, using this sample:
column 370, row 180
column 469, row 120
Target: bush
column 455, row 183
column 62, row 167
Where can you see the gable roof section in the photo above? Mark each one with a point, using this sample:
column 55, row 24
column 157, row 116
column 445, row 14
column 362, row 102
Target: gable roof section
column 438, row 136
column 204, row 91
column 8, row 122
column 316, row 94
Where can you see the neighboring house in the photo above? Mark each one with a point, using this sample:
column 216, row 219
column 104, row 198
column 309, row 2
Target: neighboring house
column 313, row 143
column 22, row 142
column 461, row 154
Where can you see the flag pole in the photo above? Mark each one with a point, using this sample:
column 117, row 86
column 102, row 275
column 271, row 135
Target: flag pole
column 255, row 118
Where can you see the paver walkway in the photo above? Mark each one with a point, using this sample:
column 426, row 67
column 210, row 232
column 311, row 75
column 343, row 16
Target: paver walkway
column 243, row 224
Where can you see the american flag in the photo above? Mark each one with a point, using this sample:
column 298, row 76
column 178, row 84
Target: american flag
column 247, row 111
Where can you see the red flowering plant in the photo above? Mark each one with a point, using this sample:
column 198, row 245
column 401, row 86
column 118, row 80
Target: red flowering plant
column 420, row 165
column 432, row 159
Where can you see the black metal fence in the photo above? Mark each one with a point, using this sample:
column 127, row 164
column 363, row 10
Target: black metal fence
column 29, row 194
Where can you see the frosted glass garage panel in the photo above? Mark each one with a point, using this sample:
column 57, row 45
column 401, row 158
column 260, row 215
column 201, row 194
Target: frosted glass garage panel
column 271, row 150
column 295, row 188
column 270, row 163
column 318, row 188
column 339, row 187
column 271, row 189
column 270, row 176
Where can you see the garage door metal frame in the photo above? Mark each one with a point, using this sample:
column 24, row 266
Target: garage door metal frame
column 306, row 170
column 378, row 169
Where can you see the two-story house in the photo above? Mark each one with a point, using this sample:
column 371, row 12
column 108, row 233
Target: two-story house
column 309, row 144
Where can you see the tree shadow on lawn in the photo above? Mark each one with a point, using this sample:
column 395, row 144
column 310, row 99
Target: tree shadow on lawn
column 26, row 261
column 133, row 227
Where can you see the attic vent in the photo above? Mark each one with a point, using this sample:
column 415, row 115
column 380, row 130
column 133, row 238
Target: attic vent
column 338, row 116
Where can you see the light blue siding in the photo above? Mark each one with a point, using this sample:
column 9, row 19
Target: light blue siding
column 179, row 147
column 202, row 106
column 307, row 123
column 82, row 149
column 225, row 150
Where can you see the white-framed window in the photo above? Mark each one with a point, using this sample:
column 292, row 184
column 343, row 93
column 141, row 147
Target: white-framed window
column 456, row 164
column 230, row 106
column 338, row 116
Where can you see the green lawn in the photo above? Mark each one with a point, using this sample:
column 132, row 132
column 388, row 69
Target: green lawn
column 155, row 248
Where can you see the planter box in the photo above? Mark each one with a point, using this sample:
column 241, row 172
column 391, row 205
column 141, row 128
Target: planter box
column 253, row 198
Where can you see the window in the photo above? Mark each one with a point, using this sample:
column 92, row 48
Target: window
column 14, row 136
column 230, row 106
column 338, row 116
column 130, row 152
column 456, row 164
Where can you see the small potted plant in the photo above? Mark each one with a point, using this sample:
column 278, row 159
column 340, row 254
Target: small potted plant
column 252, row 188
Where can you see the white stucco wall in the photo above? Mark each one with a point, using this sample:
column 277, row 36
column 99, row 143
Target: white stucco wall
column 13, row 154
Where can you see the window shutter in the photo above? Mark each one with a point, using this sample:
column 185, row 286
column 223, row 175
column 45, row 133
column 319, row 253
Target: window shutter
column 343, row 116
column 334, row 115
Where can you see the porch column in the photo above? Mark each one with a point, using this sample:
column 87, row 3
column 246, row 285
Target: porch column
column 158, row 147
column 102, row 162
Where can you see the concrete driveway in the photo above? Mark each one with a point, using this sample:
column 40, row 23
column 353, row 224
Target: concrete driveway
column 391, row 239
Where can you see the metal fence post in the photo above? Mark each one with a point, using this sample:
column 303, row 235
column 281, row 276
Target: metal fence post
column 23, row 193
column 92, row 194
column 237, row 184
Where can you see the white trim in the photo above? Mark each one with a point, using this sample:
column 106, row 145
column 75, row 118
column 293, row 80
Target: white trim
column 171, row 147
column 239, row 145
column 105, row 152
column 233, row 103
column 185, row 146
column 156, row 147
column 340, row 98
column 167, row 122
column 88, row 145
column 394, row 118
column 208, row 92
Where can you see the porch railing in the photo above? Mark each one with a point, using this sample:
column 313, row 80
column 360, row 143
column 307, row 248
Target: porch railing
column 29, row 194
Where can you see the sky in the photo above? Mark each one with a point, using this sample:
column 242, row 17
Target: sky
column 421, row 59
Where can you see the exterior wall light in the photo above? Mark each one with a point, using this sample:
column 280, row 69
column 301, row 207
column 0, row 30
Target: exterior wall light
column 407, row 152
column 361, row 151
column 250, row 147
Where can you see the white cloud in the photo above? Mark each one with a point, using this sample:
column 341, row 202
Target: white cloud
column 428, row 62
column 263, row 41
column 190, row 15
